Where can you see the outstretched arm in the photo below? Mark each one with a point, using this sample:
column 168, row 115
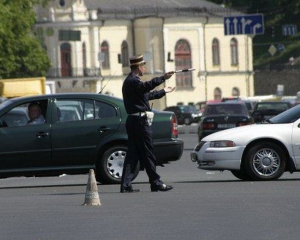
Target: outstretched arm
column 168, row 75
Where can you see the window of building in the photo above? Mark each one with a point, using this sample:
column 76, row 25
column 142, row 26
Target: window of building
column 234, row 52
column 217, row 94
column 235, row 92
column 69, row 35
column 124, row 54
column 216, row 52
column 183, row 60
column 105, row 55
column 40, row 35
column 65, row 60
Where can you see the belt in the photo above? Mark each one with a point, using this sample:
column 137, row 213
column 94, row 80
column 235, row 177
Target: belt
column 139, row 114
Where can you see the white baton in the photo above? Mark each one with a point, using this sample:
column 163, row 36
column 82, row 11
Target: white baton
column 185, row 70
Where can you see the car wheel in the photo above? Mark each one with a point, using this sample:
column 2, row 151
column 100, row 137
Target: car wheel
column 265, row 161
column 110, row 166
column 240, row 174
column 187, row 121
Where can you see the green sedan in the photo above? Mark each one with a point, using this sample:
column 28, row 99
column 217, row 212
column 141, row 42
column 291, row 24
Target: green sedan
column 79, row 131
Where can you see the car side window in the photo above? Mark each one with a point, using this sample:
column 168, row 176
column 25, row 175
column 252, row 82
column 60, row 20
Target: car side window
column 105, row 110
column 88, row 110
column 67, row 110
column 16, row 117
column 21, row 116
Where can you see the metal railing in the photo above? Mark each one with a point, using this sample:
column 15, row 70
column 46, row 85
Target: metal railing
column 73, row 72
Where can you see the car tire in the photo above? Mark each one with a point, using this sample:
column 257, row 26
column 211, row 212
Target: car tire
column 265, row 161
column 240, row 174
column 110, row 166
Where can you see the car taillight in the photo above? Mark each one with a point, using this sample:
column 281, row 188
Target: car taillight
column 174, row 127
column 207, row 126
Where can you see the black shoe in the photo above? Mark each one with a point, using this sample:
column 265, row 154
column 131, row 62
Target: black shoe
column 162, row 187
column 129, row 190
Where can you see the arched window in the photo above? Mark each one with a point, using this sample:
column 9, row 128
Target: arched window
column 183, row 60
column 124, row 54
column 234, row 52
column 235, row 92
column 217, row 94
column 216, row 52
column 105, row 55
column 65, row 60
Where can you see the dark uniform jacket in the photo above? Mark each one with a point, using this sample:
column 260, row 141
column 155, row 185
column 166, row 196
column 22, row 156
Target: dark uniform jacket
column 136, row 94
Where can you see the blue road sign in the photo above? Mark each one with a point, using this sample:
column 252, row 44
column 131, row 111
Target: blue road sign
column 247, row 24
column 289, row 29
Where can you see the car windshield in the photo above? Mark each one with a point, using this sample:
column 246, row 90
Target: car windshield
column 226, row 109
column 4, row 104
column 288, row 116
column 188, row 109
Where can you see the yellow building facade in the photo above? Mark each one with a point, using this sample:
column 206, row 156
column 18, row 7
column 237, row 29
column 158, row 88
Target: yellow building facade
column 89, row 43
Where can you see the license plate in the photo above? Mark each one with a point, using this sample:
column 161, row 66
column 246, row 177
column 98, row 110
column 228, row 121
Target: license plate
column 226, row 125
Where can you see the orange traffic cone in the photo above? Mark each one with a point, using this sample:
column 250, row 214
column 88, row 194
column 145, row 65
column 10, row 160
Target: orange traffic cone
column 92, row 195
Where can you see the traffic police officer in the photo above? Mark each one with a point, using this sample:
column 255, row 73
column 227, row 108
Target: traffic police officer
column 136, row 96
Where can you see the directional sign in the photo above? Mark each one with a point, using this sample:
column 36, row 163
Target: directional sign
column 247, row 24
column 289, row 29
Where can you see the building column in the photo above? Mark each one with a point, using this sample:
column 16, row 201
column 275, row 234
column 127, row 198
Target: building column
column 94, row 46
column 202, row 56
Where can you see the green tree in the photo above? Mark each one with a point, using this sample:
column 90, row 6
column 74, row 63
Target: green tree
column 21, row 54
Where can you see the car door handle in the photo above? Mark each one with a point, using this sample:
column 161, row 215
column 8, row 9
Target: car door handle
column 103, row 129
column 42, row 134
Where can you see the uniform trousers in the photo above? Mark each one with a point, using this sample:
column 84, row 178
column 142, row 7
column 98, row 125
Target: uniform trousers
column 140, row 148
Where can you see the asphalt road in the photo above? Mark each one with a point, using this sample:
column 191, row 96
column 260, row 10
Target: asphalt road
column 202, row 205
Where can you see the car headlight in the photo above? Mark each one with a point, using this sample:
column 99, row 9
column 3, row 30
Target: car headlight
column 224, row 143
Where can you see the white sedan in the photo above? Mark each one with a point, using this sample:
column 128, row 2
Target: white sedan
column 254, row 152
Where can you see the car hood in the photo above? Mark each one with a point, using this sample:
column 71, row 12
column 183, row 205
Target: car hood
column 243, row 135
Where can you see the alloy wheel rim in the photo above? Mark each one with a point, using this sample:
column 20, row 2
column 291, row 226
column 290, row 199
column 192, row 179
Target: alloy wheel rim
column 266, row 162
